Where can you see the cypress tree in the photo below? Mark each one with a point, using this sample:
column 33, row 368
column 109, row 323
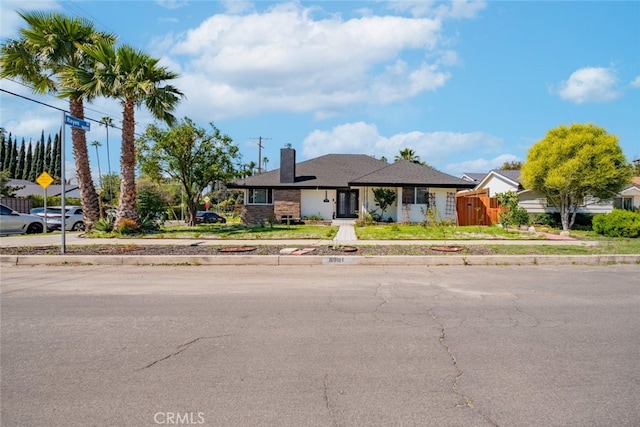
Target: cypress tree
column 28, row 163
column 3, row 148
column 33, row 174
column 57, row 159
column 7, row 155
column 13, row 159
column 39, row 158
column 47, row 156
column 21, row 160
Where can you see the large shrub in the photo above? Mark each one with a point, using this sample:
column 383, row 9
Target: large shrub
column 619, row 223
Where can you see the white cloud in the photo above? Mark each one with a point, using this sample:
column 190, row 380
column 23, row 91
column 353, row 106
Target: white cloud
column 636, row 82
column 11, row 22
column 590, row 84
column 453, row 9
column 172, row 4
column 286, row 60
column 435, row 148
column 480, row 165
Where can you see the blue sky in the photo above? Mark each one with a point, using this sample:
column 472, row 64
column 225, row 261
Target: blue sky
column 466, row 85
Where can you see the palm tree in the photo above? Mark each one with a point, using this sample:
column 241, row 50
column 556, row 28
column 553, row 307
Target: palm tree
column 107, row 122
column 45, row 48
column 265, row 161
column 134, row 78
column 409, row 155
column 98, row 144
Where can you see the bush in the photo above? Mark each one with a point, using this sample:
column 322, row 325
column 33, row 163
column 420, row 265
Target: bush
column 127, row 226
column 619, row 223
column 104, row 225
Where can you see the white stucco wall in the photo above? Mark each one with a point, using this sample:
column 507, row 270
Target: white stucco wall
column 368, row 203
column 312, row 202
column 497, row 184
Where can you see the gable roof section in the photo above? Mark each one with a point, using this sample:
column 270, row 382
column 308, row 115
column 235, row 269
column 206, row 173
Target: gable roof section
column 473, row 177
column 328, row 171
column 408, row 173
column 511, row 176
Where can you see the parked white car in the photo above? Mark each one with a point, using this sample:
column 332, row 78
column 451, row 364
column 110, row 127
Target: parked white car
column 13, row 222
column 74, row 220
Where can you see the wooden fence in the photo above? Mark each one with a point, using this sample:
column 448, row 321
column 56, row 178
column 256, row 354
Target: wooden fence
column 477, row 208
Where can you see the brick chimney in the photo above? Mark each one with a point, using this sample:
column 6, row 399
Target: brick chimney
column 287, row 165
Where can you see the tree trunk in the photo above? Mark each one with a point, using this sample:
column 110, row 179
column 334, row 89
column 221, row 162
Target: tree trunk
column 564, row 211
column 127, row 208
column 88, row 194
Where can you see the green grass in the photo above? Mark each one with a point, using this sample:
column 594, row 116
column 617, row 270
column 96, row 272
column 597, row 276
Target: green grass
column 420, row 232
column 239, row 231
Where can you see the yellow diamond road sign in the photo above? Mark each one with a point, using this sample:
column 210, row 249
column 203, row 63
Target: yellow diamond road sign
column 44, row 180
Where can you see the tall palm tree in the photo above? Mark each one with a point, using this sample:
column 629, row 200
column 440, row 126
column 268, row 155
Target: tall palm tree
column 98, row 144
column 107, row 122
column 408, row 154
column 265, row 162
column 45, row 48
column 134, row 78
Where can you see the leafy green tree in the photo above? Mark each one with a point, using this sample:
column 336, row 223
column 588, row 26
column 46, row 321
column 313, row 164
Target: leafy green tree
column 7, row 190
column 512, row 165
column 47, row 46
column 189, row 154
column 572, row 163
column 134, row 78
column 384, row 197
column 47, row 156
column 512, row 214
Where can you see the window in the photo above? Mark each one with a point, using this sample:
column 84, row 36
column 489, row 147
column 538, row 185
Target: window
column 625, row 203
column 260, row 196
column 418, row 196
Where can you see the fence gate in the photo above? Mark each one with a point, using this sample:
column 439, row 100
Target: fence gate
column 477, row 208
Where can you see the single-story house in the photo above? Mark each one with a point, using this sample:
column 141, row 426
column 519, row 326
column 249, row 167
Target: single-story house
column 341, row 186
column 29, row 188
column 501, row 180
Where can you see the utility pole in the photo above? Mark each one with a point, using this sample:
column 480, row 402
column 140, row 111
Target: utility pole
column 260, row 139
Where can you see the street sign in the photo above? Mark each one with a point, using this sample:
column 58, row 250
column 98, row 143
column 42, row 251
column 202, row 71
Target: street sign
column 77, row 123
column 44, row 180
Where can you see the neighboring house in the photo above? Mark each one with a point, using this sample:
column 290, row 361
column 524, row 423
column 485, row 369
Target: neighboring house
column 33, row 188
column 629, row 198
column 341, row 186
column 500, row 181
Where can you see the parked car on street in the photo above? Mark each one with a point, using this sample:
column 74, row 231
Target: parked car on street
column 13, row 222
column 74, row 220
column 205, row 217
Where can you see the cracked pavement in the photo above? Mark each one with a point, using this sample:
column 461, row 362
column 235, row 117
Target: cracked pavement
column 320, row 345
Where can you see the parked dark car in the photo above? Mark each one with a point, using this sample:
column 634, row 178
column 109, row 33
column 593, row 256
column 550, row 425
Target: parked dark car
column 204, row 217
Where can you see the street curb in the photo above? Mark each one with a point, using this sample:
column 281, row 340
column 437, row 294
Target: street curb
column 292, row 260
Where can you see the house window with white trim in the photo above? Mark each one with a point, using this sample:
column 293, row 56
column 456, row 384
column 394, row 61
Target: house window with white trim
column 418, row 196
column 260, row 196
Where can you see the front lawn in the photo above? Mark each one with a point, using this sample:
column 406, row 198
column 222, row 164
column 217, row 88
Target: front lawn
column 420, row 232
column 242, row 232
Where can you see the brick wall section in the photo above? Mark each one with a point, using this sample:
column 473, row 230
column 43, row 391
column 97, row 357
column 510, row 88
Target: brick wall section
column 256, row 214
column 286, row 202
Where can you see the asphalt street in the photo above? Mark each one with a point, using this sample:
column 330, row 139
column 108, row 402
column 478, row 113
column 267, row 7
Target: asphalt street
column 324, row 345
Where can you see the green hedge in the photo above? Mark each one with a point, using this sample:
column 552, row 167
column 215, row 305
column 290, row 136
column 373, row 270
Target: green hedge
column 619, row 223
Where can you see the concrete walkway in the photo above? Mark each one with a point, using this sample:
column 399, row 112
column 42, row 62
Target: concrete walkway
column 346, row 231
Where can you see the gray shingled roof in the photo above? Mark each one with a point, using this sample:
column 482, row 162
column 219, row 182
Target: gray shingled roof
column 344, row 170
column 404, row 172
column 329, row 171
column 513, row 175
